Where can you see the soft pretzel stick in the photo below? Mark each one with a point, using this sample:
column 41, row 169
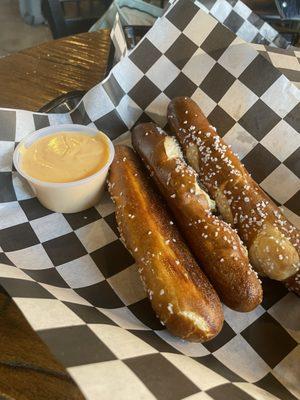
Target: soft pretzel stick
column 214, row 243
column 272, row 241
column 179, row 292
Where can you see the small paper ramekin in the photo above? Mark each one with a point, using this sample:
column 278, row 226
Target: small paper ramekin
column 69, row 197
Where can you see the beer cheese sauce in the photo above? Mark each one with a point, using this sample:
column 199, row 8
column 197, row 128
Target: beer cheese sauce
column 65, row 157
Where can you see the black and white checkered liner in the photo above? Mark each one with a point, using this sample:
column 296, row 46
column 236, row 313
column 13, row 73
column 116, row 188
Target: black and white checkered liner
column 286, row 60
column 242, row 21
column 78, row 286
column 234, row 14
column 118, row 38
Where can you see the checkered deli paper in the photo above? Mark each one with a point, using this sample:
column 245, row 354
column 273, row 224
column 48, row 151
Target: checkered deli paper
column 287, row 61
column 234, row 14
column 241, row 20
column 76, row 283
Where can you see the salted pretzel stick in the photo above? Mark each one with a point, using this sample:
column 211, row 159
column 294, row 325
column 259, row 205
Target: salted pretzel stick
column 214, row 243
column 179, row 292
column 272, row 241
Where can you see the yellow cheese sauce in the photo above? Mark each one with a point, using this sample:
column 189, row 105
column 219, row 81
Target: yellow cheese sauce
column 65, row 157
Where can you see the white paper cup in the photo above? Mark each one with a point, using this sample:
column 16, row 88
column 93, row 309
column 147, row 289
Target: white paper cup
column 69, row 197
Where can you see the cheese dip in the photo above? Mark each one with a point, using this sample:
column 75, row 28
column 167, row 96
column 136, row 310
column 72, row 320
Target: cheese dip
column 65, row 156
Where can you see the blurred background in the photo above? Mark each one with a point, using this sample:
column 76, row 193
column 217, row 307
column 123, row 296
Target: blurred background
column 26, row 23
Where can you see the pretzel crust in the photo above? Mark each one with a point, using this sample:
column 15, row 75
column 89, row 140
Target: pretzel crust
column 216, row 246
column 272, row 241
column 179, row 292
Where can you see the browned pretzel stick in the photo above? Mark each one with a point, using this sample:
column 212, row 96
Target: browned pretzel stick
column 179, row 292
column 272, row 241
column 214, row 243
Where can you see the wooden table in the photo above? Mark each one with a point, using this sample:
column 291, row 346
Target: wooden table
column 31, row 78
column 28, row 80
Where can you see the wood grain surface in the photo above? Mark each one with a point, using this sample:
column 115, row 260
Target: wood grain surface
column 31, row 78
column 28, row 80
column 28, row 371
